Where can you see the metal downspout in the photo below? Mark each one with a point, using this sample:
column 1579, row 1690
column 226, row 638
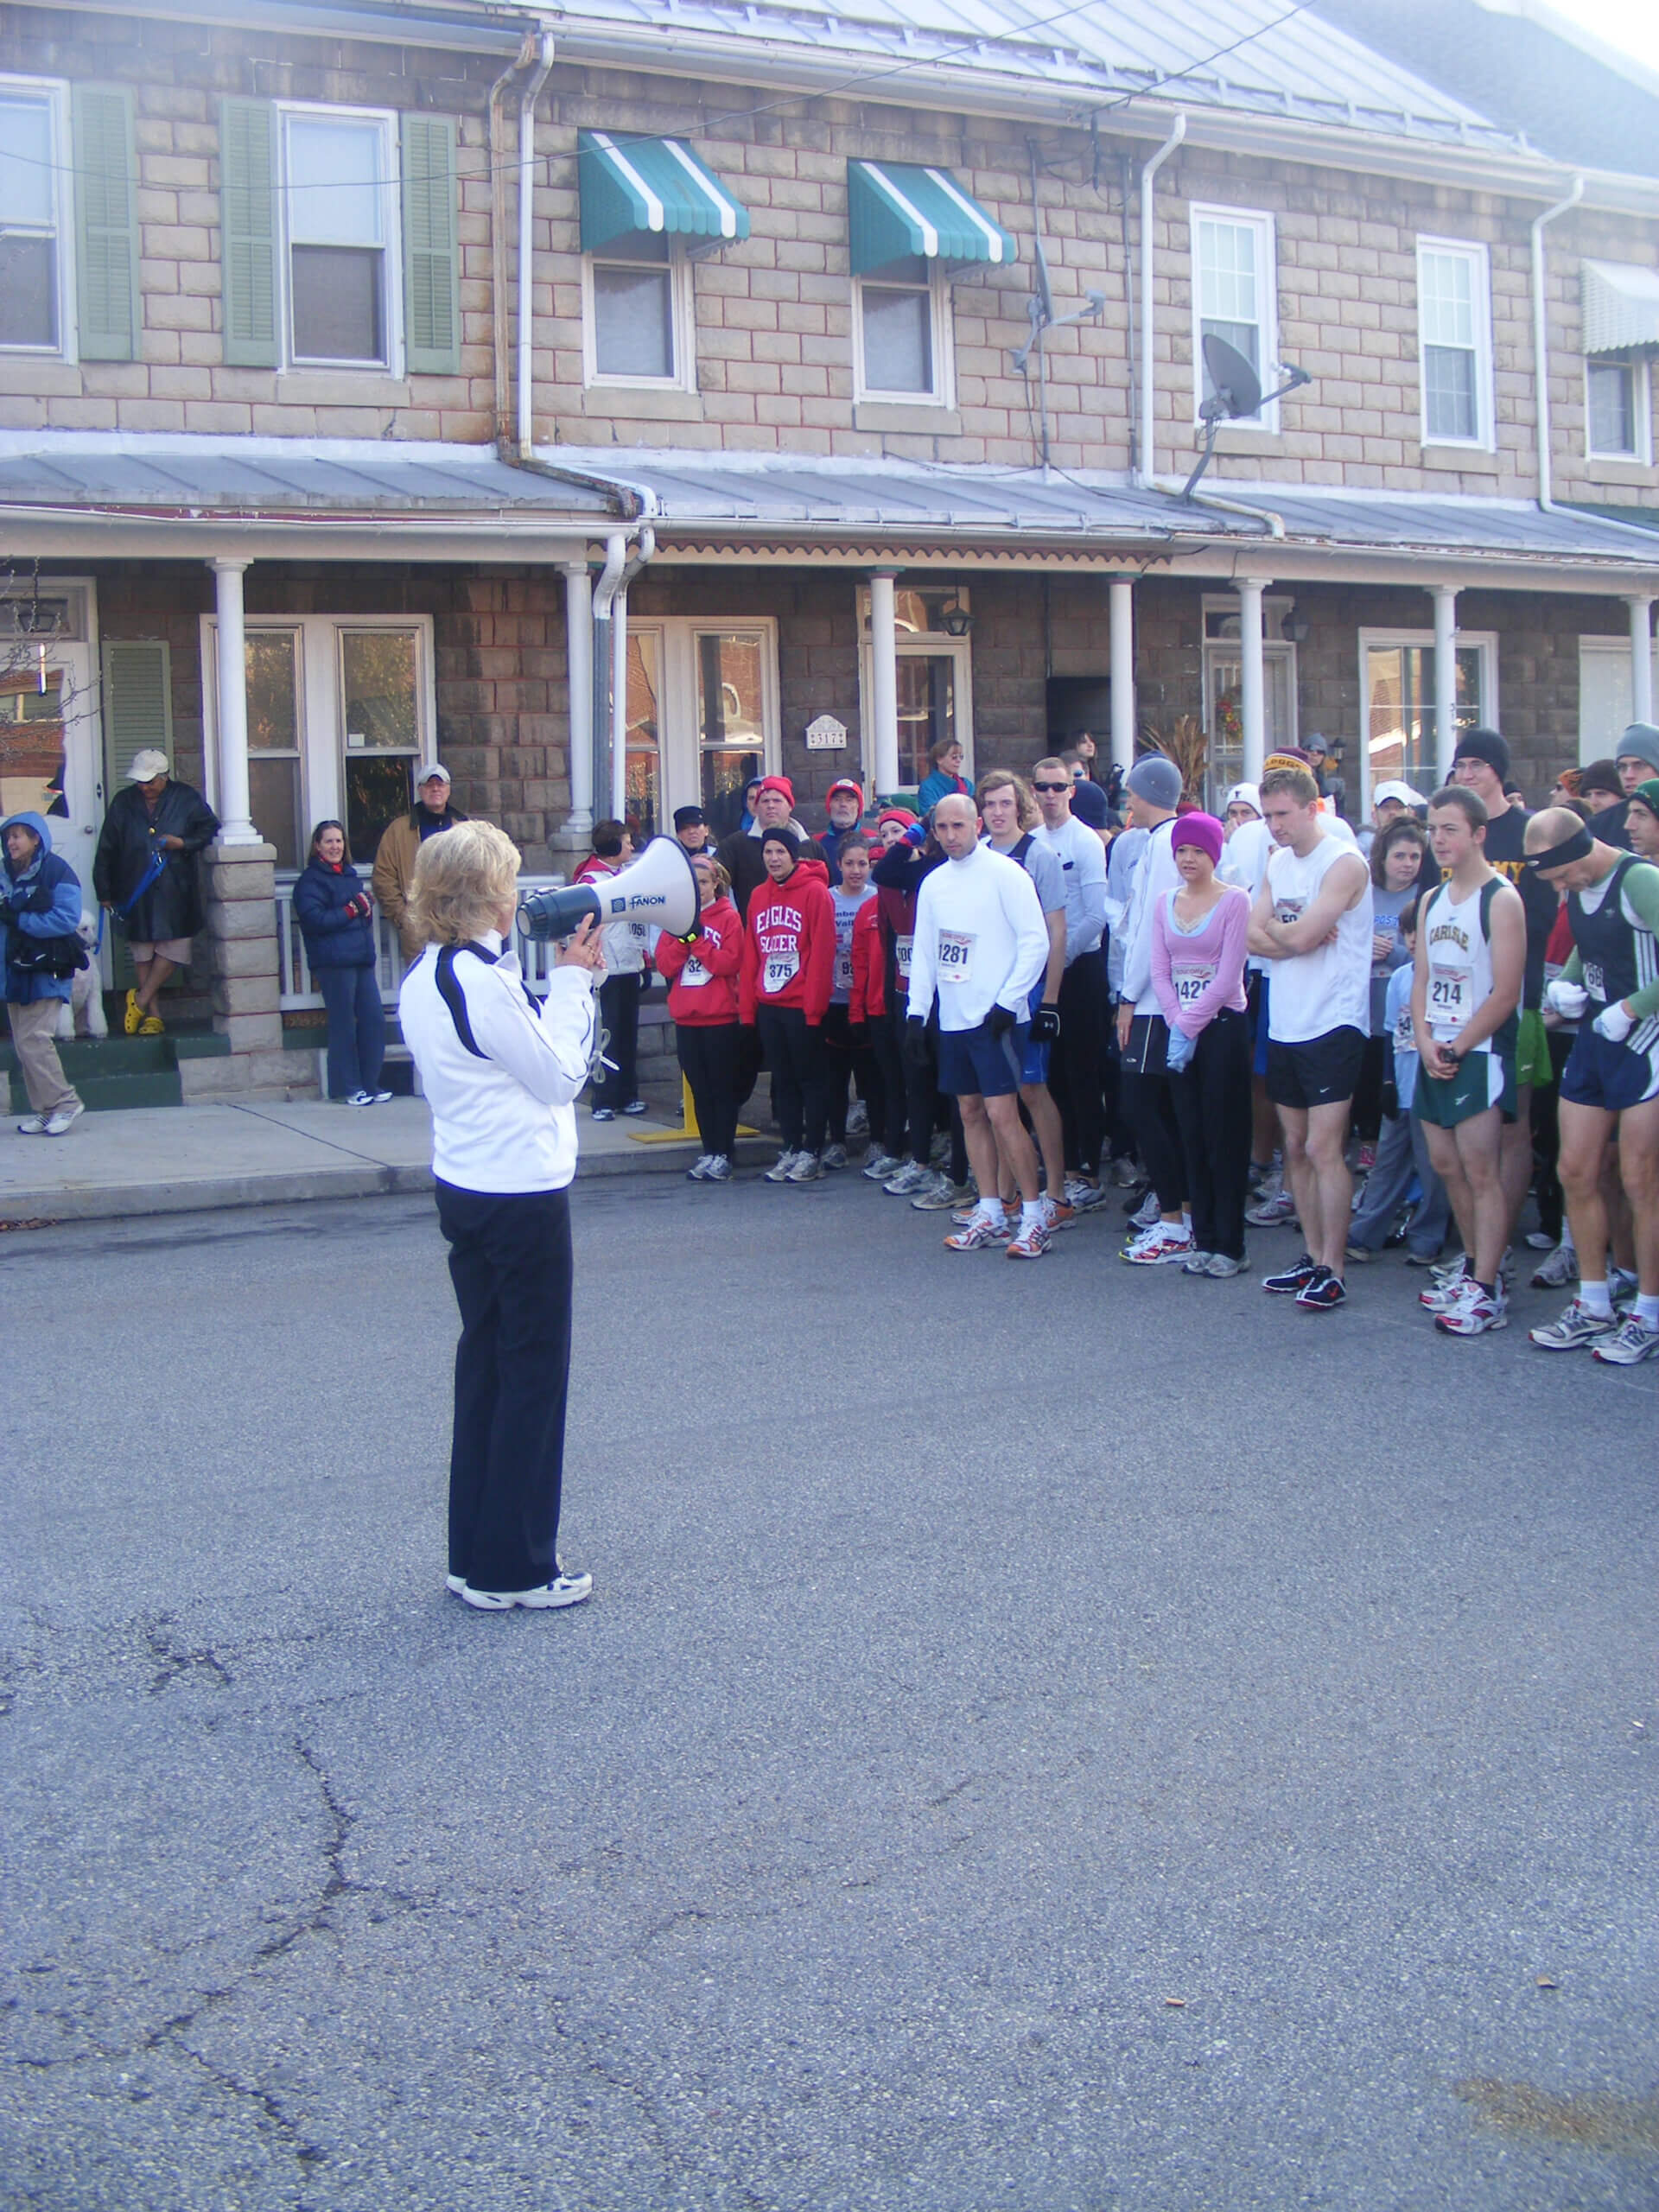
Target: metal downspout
column 527, row 100
column 1541, row 339
column 605, row 588
column 1148, row 454
column 498, row 146
column 646, row 546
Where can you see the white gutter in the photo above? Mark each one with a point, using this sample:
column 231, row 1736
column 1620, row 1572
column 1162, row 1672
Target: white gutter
column 644, row 550
column 1149, row 168
column 1540, row 337
column 497, row 148
column 527, row 100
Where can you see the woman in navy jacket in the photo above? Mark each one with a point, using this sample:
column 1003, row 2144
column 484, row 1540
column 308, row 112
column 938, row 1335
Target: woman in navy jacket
column 335, row 915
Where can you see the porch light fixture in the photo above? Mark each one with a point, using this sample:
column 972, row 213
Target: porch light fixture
column 1236, row 391
column 955, row 620
column 1295, row 624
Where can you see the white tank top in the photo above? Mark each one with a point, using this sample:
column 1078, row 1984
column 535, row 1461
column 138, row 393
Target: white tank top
column 1459, row 956
column 1312, row 993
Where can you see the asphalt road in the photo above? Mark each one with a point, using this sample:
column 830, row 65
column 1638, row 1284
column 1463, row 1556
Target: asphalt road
column 1044, row 1736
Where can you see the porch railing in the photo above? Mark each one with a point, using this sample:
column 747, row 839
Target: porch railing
column 298, row 986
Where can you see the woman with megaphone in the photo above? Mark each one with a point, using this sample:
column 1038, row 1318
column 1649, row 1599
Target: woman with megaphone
column 501, row 1075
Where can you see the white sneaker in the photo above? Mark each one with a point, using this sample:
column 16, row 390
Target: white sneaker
column 781, row 1168
column 1560, row 1269
column 31, row 1125
column 1148, row 1214
column 64, row 1120
column 360, row 1098
column 1632, row 1340
column 698, row 1169
column 858, row 1119
column 719, row 1169
column 565, row 1589
column 1275, row 1206
column 909, row 1180
column 879, row 1167
column 808, row 1168
column 942, row 1197
column 833, row 1156
column 1081, row 1195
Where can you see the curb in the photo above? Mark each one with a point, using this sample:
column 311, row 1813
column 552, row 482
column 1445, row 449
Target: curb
column 211, row 1194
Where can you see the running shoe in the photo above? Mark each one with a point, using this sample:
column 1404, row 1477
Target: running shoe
column 1577, row 1325
column 1082, row 1196
column 808, row 1168
column 1475, row 1313
column 31, row 1125
column 782, row 1167
column 1222, row 1266
column 909, row 1180
column 1423, row 1259
column 1441, row 1297
column 1160, row 1246
column 1197, row 1263
column 1362, row 1255
column 833, row 1156
column 980, row 1232
column 1560, row 1269
column 858, row 1119
column 604, row 1113
column 719, row 1169
column 943, row 1198
column 565, row 1589
column 697, row 1171
column 1540, row 1239
column 636, row 1107
column 1030, row 1243
column 1275, row 1207
column 1323, row 1293
column 1621, row 1283
column 879, row 1166
column 1148, row 1213
column 1365, row 1159
column 1445, row 1271
column 1290, row 1282
column 1058, row 1214
column 1632, row 1340
column 1125, row 1174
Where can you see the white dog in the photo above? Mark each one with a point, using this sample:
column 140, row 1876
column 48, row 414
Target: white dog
column 83, row 1014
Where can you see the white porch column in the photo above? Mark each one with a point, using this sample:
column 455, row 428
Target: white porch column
column 1641, row 659
column 236, row 823
column 1445, row 681
column 884, row 682
column 620, row 705
column 579, row 655
column 1120, row 665
column 1252, row 687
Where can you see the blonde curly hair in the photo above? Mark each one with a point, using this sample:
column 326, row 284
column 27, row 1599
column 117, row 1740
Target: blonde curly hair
column 463, row 878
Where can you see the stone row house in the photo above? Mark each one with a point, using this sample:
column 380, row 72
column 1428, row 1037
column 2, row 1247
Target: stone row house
column 614, row 401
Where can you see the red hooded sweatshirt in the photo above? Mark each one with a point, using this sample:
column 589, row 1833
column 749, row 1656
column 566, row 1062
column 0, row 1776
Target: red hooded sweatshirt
column 702, row 977
column 869, row 999
column 789, row 945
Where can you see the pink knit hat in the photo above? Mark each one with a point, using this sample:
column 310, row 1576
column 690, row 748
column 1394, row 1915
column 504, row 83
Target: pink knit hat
column 1201, row 829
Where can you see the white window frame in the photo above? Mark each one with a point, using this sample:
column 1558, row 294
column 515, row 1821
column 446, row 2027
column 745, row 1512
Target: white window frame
column 682, row 326
column 56, row 94
column 1641, row 377
column 321, row 701
column 1482, row 641
column 1262, row 223
column 392, row 245
column 679, row 740
column 941, row 338
column 1478, row 255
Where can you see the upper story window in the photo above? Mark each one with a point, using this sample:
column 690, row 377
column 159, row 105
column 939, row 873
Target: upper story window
column 341, row 221
column 638, row 322
column 339, row 239
column 33, row 198
column 903, row 326
column 1454, row 333
column 1234, row 289
column 1619, row 410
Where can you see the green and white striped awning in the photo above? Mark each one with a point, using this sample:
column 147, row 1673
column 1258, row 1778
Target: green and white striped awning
column 655, row 185
column 1621, row 307
column 899, row 208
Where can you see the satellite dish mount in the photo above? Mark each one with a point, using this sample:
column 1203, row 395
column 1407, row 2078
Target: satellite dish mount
column 1235, row 392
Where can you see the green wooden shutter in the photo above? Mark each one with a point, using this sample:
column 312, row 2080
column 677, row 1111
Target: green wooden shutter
column 137, row 705
column 106, row 237
column 431, row 246
column 249, row 235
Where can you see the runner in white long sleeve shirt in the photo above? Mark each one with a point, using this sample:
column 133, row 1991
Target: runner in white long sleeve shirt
column 981, row 944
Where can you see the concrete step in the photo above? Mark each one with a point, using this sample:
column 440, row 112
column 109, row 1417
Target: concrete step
column 113, row 1073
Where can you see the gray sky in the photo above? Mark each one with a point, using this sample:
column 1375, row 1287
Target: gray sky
column 1632, row 24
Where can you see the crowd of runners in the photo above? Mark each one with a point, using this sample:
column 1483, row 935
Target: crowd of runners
column 1027, row 1007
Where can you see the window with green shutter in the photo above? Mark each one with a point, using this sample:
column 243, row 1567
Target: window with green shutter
column 431, row 252
column 106, row 237
column 247, row 193
column 138, row 704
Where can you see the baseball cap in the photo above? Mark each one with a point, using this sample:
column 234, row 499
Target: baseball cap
column 146, row 765
column 1400, row 792
column 433, row 768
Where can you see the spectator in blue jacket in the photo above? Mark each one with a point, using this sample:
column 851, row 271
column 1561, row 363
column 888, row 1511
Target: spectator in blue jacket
column 944, row 776
column 39, row 919
column 336, row 919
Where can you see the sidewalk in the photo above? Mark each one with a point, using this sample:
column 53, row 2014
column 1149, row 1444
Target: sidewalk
column 181, row 1159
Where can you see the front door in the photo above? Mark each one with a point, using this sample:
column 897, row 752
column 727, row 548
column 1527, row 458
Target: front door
column 51, row 745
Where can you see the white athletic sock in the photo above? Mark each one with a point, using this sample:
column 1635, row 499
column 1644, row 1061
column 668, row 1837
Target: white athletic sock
column 1030, row 1213
column 1646, row 1311
column 1594, row 1296
column 992, row 1209
column 1567, row 1245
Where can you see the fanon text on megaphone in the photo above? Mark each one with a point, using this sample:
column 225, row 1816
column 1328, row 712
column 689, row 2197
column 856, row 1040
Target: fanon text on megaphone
column 659, row 886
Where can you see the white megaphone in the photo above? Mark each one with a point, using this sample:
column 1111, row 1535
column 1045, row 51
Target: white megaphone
column 659, row 886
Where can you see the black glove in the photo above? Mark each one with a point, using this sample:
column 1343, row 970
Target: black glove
column 1045, row 1025
column 999, row 1021
column 916, row 1050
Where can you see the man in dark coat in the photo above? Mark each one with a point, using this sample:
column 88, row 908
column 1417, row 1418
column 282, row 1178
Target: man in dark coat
column 145, row 872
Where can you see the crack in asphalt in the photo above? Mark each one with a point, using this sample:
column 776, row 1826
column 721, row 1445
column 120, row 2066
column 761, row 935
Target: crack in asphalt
column 176, row 1662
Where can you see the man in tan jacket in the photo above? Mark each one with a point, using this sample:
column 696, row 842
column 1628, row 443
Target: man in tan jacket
column 394, row 863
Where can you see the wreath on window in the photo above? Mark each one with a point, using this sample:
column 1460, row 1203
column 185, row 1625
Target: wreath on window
column 1229, row 720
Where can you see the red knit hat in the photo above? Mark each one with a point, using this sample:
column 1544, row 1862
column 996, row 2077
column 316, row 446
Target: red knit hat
column 778, row 784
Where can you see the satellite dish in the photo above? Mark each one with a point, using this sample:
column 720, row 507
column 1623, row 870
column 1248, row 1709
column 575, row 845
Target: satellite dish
column 1237, row 389
column 1235, row 392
